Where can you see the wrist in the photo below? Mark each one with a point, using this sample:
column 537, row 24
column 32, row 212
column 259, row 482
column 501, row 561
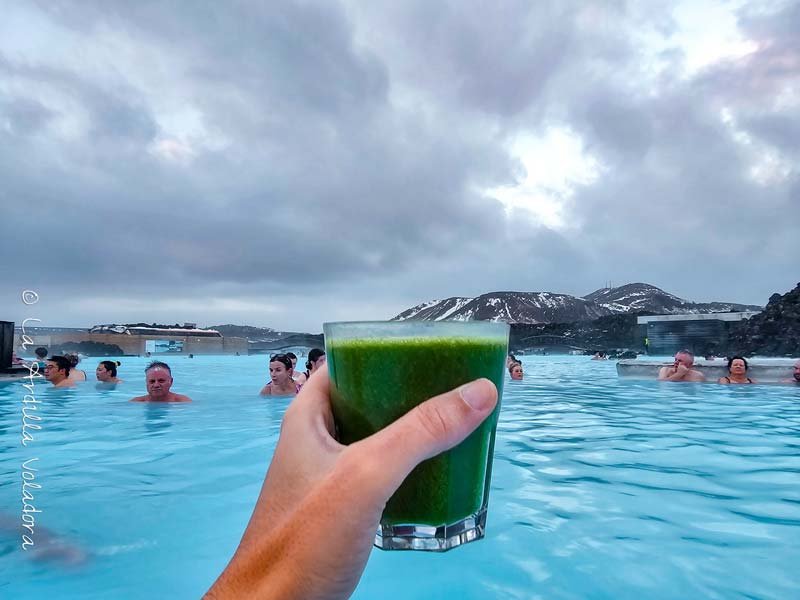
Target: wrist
column 254, row 574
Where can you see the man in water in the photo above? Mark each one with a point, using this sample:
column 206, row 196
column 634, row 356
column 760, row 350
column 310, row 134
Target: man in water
column 56, row 371
column 681, row 370
column 795, row 375
column 158, row 378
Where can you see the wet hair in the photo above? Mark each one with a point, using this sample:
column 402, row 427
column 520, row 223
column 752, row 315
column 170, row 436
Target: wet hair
column 515, row 363
column 62, row 362
column 512, row 357
column 157, row 364
column 313, row 356
column 73, row 359
column 292, row 355
column 111, row 366
column 283, row 359
column 41, row 352
column 733, row 358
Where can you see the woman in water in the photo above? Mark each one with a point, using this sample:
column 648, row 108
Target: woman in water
column 75, row 374
column 515, row 370
column 737, row 371
column 280, row 372
column 106, row 372
column 316, row 360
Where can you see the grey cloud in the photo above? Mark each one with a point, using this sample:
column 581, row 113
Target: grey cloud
column 781, row 131
column 623, row 130
column 24, row 116
column 354, row 146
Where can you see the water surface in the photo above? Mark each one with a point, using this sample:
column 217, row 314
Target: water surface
column 602, row 488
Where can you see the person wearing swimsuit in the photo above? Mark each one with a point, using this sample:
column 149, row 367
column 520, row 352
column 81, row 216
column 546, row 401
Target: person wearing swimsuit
column 280, row 372
column 316, row 360
column 76, row 375
column 737, row 372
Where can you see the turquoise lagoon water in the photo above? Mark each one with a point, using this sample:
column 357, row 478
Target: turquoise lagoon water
column 602, row 488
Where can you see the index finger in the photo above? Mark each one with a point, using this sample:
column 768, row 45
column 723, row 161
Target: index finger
column 313, row 403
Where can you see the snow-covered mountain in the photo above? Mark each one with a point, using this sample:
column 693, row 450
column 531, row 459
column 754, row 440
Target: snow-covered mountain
column 435, row 310
column 547, row 307
column 643, row 297
column 634, row 297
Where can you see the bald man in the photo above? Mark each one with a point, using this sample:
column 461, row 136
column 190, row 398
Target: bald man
column 795, row 375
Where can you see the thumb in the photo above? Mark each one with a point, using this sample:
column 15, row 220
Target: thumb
column 428, row 429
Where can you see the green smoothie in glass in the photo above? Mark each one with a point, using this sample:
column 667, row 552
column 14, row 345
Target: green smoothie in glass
column 381, row 370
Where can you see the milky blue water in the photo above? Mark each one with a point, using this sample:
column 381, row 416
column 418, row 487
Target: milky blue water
column 602, row 489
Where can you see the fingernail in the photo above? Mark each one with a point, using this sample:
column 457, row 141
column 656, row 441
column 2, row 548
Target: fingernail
column 477, row 395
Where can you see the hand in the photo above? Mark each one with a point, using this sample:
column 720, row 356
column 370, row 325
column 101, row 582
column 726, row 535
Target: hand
column 681, row 369
column 314, row 523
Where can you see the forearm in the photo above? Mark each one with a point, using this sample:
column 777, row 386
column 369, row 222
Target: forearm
column 257, row 572
column 283, row 557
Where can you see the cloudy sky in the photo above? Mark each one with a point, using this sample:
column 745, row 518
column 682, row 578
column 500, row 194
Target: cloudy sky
column 286, row 163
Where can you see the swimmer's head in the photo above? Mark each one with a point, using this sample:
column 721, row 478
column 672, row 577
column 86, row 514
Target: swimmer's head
column 684, row 357
column 280, row 369
column 158, row 378
column 107, row 369
column 157, row 364
column 56, row 365
column 73, row 359
column 316, row 358
column 283, row 359
column 737, row 365
column 41, row 352
column 515, row 370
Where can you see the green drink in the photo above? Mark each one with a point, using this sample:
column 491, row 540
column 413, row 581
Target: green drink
column 379, row 371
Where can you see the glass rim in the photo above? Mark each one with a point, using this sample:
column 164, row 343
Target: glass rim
column 414, row 328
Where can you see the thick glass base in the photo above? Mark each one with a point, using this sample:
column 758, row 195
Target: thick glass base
column 431, row 538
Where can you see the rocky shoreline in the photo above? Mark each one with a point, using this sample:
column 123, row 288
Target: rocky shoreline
column 773, row 332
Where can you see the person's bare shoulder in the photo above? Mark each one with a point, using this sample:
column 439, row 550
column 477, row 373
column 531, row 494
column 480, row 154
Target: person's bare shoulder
column 265, row 391
column 139, row 399
column 180, row 398
column 695, row 376
column 663, row 372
